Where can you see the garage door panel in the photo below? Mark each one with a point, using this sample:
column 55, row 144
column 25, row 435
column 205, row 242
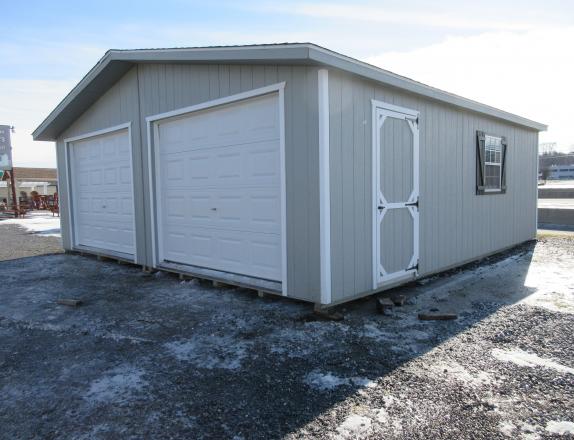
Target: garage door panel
column 102, row 193
column 229, row 125
column 220, row 188
column 246, row 253
column 251, row 209
column 231, row 166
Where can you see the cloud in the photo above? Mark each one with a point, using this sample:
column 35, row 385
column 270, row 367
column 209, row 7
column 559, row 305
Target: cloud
column 24, row 104
column 528, row 73
column 449, row 18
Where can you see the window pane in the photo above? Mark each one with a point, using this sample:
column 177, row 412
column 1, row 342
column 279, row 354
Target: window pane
column 492, row 149
column 492, row 176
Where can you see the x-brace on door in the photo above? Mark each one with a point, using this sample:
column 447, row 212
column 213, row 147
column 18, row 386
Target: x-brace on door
column 395, row 193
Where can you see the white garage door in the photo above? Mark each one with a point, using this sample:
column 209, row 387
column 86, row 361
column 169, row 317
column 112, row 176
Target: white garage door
column 102, row 195
column 219, row 188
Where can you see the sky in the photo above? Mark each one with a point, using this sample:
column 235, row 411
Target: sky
column 516, row 56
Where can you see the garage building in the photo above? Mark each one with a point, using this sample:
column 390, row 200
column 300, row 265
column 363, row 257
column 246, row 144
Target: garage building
column 287, row 168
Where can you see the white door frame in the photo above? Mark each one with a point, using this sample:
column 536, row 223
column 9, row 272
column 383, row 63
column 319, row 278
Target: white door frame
column 72, row 231
column 380, row 112
column 155, row 177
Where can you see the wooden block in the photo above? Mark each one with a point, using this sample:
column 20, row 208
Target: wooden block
column 437, row 316
column 69, row 302
column 398, row 300
column 327, row 314
column 384, row 304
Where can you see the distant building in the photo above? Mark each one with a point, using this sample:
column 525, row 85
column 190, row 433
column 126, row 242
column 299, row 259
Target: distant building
column 558, row 172
column 42, row 180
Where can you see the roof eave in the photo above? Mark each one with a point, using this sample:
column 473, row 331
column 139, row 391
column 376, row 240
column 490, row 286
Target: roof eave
column 365, row 70
column 283, row 54
column 304, row 53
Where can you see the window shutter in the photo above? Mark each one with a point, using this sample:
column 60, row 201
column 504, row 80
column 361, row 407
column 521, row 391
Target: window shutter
column 503, row 166
column 480, row 139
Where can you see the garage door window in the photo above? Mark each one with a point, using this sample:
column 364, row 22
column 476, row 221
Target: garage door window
column 491, row 163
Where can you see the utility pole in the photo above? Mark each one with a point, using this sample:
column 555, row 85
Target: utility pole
column 13, row 185
column 6, row 160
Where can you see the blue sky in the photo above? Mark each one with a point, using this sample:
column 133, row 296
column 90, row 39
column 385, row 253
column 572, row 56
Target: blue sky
column 516, row 58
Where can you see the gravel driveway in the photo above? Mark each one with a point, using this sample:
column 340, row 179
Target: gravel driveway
column 19, row 242
column 149, row 356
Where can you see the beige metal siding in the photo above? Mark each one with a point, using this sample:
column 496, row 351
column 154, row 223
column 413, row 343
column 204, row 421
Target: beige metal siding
column 455, row 224
column 149, row 89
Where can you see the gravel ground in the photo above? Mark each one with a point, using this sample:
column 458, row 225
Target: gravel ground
column 149, row 356
column 17, row 242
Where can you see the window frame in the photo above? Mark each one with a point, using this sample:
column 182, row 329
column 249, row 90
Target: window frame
column 496, row 164
column 481, row 163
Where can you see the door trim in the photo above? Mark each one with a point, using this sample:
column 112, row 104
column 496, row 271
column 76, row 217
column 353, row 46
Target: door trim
column 411, row 116
column 68, row 163
column 155, row 178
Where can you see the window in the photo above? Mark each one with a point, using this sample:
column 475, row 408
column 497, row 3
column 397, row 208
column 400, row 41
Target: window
column 490, row 163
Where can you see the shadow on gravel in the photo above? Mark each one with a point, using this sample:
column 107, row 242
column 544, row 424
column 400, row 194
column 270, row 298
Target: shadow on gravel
column 150, row 356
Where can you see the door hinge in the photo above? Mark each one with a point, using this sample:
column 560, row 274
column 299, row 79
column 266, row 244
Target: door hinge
column 415, row 267
column 381, row 207
column 413, row 203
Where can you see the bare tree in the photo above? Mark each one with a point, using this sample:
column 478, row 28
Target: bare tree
column 545, row 173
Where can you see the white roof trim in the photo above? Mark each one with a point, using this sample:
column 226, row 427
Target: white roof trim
column 297, row 53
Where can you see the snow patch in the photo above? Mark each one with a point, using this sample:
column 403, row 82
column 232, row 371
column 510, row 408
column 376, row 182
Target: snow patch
column 191, row 283
column 455, row 371
column 553, row 287
column 328, row 381
column 560, row 428
column 118, row 385
column 40, row 223
column 210, row 351
column 506, row 427
column 525, row 359
column 354, row 426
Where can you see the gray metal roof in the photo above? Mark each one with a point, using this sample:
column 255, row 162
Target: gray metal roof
column 115, row 63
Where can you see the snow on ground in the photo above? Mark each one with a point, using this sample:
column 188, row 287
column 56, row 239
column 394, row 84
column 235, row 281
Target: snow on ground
column 354, row 427
column 41, row 223
column 328, row 381
column 152, row 356
column 118, row 385
column 210, row 351
column 561, row 428
column 525, row 359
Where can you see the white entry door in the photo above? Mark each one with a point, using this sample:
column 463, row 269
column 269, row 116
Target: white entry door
column 396, row 193
column 219, row 188
column 102, row 192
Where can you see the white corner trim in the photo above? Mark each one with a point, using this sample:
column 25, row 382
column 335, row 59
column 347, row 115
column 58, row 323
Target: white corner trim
column 220, row 101
column 537, row 174
column 375, row 159
column 324, row 187
column 283, row 170
column 151, row 167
